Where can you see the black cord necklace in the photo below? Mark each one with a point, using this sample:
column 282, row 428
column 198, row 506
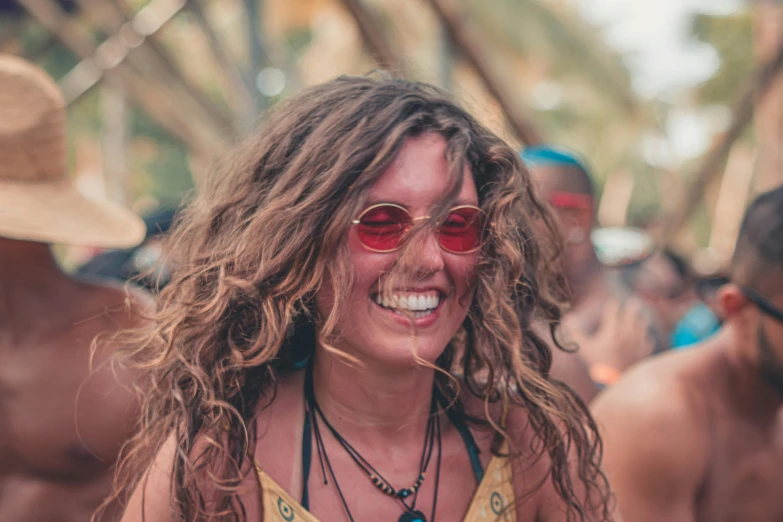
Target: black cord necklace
column 433, row 431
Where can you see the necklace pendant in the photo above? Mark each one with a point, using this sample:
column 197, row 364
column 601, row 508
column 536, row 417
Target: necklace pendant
column 413, row 516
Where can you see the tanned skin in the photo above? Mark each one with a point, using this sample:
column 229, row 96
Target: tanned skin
column 61, row 425
column 697, row 435
column 612, row 328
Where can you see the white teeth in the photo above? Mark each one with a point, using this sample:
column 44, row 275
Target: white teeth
column 412, row 303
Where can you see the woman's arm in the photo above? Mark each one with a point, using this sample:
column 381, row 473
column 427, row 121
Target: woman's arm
column 537, row 498
column 151, row 500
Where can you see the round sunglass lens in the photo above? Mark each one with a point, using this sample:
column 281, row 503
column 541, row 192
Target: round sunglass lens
column 462, row 231
column 383, row 227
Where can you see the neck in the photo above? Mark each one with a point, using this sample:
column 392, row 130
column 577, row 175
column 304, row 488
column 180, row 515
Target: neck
column 365, row 401
column 28, row 276
column 582, row 279
column 754, row 390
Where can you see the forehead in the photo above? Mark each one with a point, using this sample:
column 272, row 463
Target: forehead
column 419, row 176
column 549, row 178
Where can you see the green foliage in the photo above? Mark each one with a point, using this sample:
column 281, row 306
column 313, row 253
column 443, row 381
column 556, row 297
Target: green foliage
column 732, row 38
column 298, row 40
column 158, row 163
column 58, row 61
column 164, row 174
column 570, row 49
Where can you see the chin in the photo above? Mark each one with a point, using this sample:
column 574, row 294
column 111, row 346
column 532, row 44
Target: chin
column 400, row 354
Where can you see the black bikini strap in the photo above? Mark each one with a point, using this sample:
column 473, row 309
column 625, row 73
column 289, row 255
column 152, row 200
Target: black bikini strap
column 307, row 439
column 467, row 436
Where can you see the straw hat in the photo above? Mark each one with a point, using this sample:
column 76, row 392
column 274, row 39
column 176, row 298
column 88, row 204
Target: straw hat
column 37, row 200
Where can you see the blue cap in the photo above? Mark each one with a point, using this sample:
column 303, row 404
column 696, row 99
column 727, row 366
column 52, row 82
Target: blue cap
column 546, row 155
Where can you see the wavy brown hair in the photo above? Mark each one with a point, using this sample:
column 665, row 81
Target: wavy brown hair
column 267, row 231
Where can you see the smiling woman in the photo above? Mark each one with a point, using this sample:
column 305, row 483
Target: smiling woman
column 347, row 332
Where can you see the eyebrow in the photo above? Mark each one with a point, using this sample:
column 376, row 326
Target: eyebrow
column 377, row 201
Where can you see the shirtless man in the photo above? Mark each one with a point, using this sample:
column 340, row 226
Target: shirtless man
column 697, row 435
column 610, row 327
column 60, row 425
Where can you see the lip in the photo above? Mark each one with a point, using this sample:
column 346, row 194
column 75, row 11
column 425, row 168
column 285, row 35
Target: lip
column 421, row 322
column 442, row 291
column 422, row 289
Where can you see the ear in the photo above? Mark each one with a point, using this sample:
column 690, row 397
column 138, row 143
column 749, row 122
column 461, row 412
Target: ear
column 730, row 300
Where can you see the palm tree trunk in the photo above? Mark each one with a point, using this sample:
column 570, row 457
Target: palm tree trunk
column 757, row 84
column 150, row 96
column 767, row 32
column 731, row 200
column 471, row 45
column 372, row 34
column 114, row 140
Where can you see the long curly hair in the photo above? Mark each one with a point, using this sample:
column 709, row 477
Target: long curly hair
column 268, row 229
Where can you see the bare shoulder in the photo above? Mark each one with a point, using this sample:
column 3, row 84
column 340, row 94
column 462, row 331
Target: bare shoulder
column 535, row 474
column 114, row 305
column 106, row 402
column 153, row 498
column 531, row 465
column 667, row 387
column 107, row 309
column 655, row 424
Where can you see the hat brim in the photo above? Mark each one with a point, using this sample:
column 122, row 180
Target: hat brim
column 58, row 213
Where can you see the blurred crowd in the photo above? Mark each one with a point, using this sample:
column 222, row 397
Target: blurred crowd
column 683, row 372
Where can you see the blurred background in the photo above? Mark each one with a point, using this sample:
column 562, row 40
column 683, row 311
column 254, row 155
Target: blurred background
column 657, row 96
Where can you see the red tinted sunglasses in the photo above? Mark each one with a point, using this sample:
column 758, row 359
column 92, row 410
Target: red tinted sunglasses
column 568, row 200
column 383, row 227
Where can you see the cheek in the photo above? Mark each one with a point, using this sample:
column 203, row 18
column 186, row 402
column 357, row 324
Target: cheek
column 560, row 218
column 367, row 267
column 364, row 274
column 364, row 269
column 463, row 271
column 324, row 300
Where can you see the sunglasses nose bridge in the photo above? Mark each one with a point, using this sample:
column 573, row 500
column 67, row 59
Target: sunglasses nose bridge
column 424, row 253
column 417, row 232
column 412, row 226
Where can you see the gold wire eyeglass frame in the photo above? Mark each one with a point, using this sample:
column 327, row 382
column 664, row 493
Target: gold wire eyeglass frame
column 358, row 220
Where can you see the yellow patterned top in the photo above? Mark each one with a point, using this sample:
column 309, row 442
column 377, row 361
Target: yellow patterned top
column 492, row 502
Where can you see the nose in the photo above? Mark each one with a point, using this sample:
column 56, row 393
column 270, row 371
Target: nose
column 426, row 253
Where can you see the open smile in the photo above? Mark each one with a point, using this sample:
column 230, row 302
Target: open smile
column 421, row 308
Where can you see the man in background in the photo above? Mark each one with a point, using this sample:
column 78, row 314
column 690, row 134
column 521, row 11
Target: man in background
column 61, row 425
column 697, row 435
column 667, row 284
column 611, row 327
